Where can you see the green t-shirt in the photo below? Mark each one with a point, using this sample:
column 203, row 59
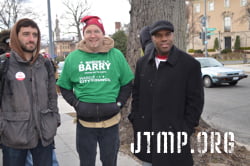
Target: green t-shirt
column 95, row 77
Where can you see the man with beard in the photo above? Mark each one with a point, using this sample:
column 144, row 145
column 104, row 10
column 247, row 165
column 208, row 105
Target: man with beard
column 29, row 111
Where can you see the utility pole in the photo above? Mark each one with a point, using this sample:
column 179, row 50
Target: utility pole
column 51, row 41
column 219, row 44
column 205, row 29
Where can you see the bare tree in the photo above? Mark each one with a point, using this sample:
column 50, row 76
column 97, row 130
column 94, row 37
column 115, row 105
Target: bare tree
column 145, row 12
column 75, row 11
column 142, row 13
column 193, row 23
column 11, row 11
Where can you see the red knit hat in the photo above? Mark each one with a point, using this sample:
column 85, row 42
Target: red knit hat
column 92, row 20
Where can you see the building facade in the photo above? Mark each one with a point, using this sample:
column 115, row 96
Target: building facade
column 62, row 46
column 222, row 19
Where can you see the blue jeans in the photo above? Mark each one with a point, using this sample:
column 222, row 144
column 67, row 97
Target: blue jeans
column 86, row 144
column 29, row 161
column 42, row 156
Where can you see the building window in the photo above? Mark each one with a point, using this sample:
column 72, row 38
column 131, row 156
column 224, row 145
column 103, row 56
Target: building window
column 227, row 24
column 211, row 6
column 197, row 8
column 243, row 2
column 227, row 3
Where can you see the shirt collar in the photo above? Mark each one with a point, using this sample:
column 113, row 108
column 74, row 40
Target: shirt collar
column 172, row 57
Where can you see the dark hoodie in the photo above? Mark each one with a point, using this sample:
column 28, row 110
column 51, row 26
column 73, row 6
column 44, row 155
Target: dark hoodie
column 145, row 39
column 4, row 41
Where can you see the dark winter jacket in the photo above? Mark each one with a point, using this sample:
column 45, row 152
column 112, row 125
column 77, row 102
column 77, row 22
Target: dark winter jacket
column 167, row 99
column 29, row 109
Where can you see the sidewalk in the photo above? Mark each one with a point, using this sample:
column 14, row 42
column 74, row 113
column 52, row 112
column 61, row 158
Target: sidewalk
column 65, row 141
column 245, row 67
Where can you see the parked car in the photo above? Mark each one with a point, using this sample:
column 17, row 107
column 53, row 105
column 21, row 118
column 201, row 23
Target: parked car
column 60, row 68
column 214, row 73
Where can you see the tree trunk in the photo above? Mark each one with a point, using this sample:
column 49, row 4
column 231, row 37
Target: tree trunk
column 145, row 12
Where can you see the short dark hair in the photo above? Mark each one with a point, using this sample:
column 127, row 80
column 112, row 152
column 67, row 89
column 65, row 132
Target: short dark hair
column 26, row 23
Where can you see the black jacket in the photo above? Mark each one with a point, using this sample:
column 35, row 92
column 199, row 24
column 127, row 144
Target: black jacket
column 167, row 99
column 96, row 112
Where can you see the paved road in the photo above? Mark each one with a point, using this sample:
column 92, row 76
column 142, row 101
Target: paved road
column 228, row 108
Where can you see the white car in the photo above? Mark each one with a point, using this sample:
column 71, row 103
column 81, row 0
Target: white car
column 214, row 72
column 60, row 68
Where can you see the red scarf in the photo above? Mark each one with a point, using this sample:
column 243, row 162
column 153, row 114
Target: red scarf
column 162, row 57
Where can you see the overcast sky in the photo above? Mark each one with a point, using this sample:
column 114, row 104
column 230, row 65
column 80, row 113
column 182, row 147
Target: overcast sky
column 110, row 11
